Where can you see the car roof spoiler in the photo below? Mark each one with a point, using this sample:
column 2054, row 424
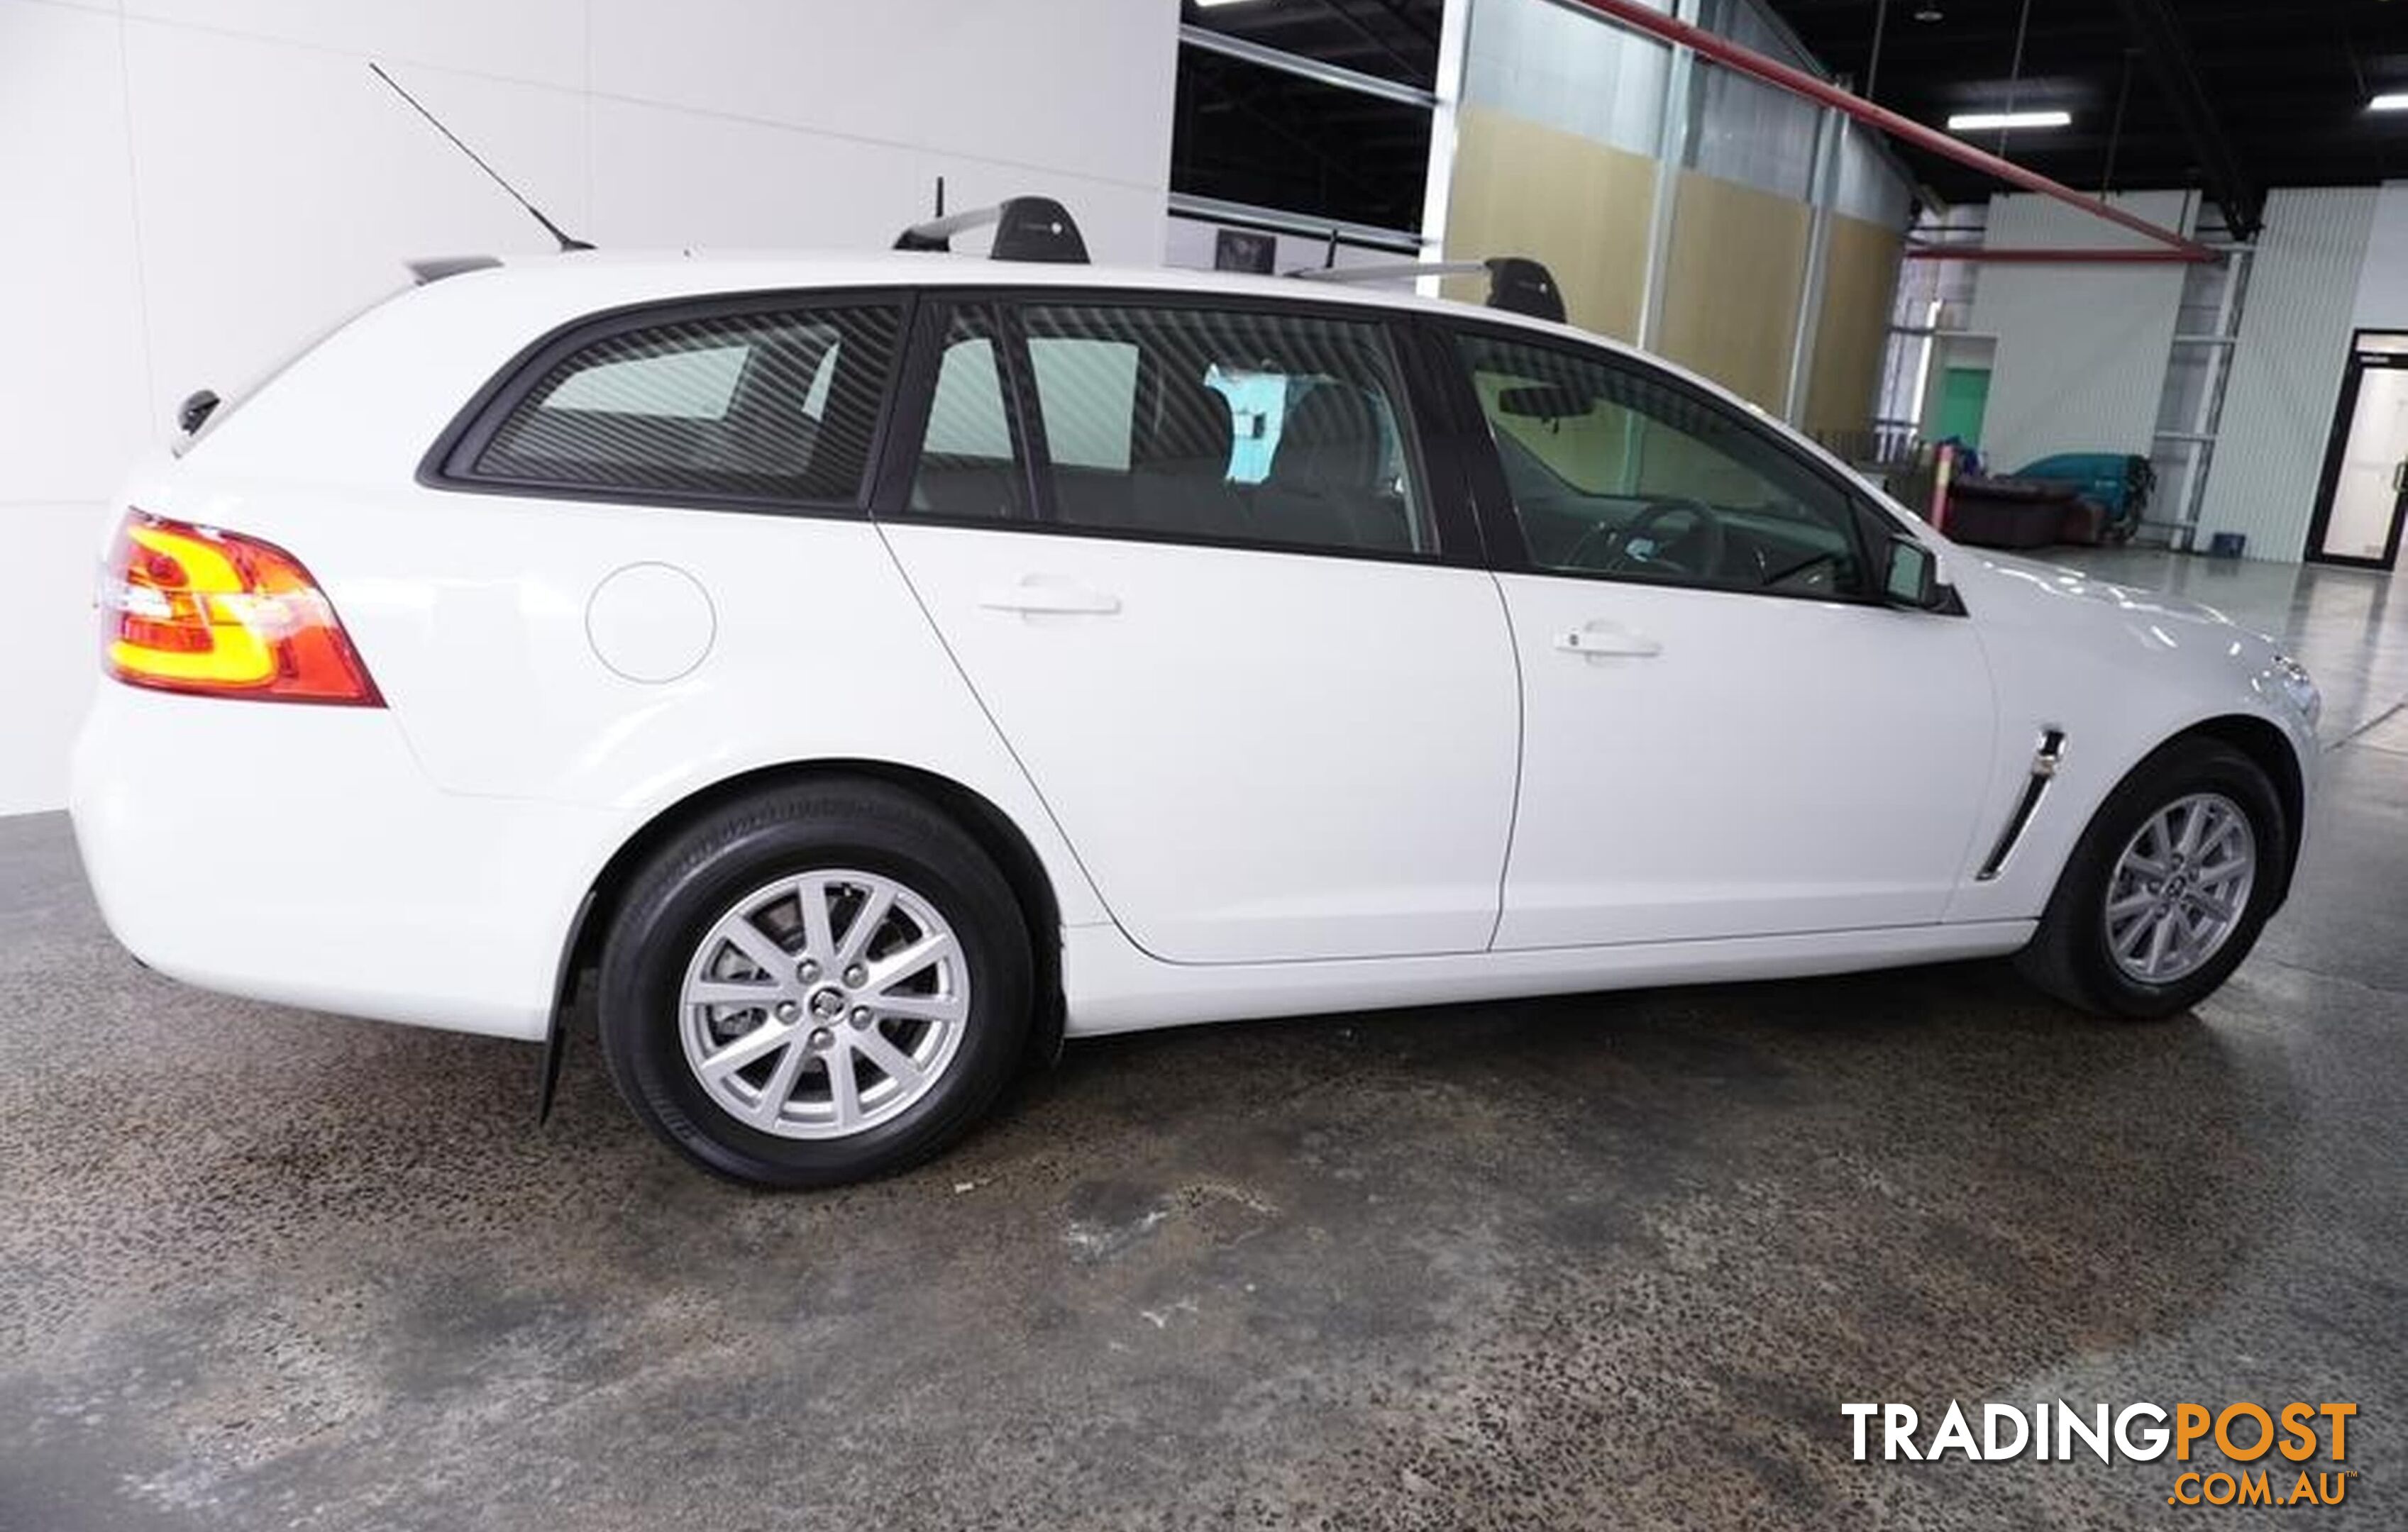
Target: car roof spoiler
column 434, row 268
column 1516, row 283
column 1025, row 229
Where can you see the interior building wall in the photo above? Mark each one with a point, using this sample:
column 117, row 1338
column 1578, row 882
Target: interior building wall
column 1556, row 148
column 1560, row 141
column 1590, row 226
column 2082, row 348
column 2382, row 301
column 1734, row 284
column 1859, row 282
column 2305, row 286
column 194, row 187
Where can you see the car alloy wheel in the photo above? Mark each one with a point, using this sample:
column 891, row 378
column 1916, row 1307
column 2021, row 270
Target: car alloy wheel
column 824, row 1004
column 2180, row 888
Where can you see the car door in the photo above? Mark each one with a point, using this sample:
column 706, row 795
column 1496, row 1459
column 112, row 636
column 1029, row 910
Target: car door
column 1726, row 734
column 1190, row 555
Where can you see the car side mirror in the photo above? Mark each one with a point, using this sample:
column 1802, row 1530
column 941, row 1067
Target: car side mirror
column 1911, row 575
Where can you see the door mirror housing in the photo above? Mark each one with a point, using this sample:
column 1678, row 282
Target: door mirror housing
column 1911, row 575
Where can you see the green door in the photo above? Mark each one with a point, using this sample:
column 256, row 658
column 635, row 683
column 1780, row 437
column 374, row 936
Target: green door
column 1964, row 395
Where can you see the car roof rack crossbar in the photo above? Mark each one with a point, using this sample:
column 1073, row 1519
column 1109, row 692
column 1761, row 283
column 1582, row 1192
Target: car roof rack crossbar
column 1516, row 283
column 1025, row 229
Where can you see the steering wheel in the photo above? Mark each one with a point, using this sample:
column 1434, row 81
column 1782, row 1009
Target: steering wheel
column 1634, row 547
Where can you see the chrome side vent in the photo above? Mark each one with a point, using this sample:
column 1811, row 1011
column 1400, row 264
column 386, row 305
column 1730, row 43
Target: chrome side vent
column 2045, row 760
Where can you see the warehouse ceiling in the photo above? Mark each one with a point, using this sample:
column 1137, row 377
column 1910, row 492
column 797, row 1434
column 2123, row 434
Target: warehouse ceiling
column 2162, row 93
column 2230, row 95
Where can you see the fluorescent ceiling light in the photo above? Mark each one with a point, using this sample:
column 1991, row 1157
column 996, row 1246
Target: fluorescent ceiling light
column 1207, row 4
column 1987, row 122
column 2397, row 101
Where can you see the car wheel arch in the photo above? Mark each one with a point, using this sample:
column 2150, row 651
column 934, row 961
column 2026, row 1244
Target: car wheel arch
column 2266, row 746
column 2272, row 749
column 977, row 815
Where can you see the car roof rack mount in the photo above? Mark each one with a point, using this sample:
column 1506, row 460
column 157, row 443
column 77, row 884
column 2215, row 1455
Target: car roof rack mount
column 1516, row 283
column 1025, row 229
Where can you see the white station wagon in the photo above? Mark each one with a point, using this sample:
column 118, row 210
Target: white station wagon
column 855, row 673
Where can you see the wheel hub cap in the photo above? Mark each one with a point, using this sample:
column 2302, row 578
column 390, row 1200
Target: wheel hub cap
column 776, row 1046
column 2181, row 888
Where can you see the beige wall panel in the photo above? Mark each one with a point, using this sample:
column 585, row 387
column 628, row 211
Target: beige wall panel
column 1737, row 270
column 1521, row 189
column 1859, row 283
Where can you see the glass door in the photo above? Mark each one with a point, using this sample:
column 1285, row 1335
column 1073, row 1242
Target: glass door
column 2359, row 516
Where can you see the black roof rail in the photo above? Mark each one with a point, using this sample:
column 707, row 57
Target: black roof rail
column 1516, row 283
column 1025, row 229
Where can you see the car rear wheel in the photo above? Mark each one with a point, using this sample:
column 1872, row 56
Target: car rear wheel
column 815, row 986
column 2169, row 888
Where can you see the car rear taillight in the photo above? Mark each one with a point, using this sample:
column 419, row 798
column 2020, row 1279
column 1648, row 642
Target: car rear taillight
column 201, row 610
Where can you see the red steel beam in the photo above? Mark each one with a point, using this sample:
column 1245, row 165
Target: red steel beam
column 2052, row 257
column 1632, row 14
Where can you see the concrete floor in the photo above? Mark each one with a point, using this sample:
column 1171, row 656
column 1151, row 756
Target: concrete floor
column 1608, row 1261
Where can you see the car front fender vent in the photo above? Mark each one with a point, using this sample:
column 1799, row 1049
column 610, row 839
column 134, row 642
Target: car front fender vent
column 2045, row 762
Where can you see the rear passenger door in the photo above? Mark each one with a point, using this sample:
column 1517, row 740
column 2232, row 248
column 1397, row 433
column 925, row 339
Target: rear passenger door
column 1193, row 557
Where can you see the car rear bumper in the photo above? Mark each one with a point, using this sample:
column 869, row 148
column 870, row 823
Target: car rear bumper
column 299, row 854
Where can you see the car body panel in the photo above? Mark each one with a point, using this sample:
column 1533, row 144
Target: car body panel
column 426, row 862
column 1258, row 756
column 1778, row 766
column 2119, row 671
column 1114, row 987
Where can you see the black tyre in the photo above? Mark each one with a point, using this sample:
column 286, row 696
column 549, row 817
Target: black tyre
column 2167, row 891
column 813, row 986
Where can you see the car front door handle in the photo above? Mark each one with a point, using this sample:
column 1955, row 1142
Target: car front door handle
column 1608, row 640
column 1037, row 595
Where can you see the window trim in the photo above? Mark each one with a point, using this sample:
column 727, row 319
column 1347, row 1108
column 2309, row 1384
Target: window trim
column 1426, row 429
column 1501, row 523
column 446, row 463
column 916, row 376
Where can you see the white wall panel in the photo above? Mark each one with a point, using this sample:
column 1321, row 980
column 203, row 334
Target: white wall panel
column 2383, row 286
column 72, row 402
column 53, row 656
column 1083, row 86
column 2286, row 368
column 665, row 176
column 538, row 41
column 669, row 178
column 2081, row 350
column 263, row 239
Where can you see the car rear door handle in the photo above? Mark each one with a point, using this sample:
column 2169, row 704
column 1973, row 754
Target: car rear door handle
column 1040, row 595
column 1608, row 640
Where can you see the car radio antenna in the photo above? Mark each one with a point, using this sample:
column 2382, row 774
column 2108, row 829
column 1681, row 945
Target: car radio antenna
column 534, row 212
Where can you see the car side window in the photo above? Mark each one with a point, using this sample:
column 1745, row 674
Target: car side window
column 966, row 465
column 1617, row 471
column 1223, row 425
column 776, row 406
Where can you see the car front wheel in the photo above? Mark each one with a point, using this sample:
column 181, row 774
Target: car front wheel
column 2169, row 888
column 815, row 986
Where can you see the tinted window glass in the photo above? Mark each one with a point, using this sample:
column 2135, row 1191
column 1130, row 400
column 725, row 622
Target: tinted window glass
column 1088, row 391
column 1227, row 426
column 1615, row 471
column 967, row 467
column 781, row 406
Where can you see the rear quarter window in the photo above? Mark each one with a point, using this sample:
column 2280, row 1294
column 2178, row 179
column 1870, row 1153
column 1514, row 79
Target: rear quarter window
column 777, row 405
